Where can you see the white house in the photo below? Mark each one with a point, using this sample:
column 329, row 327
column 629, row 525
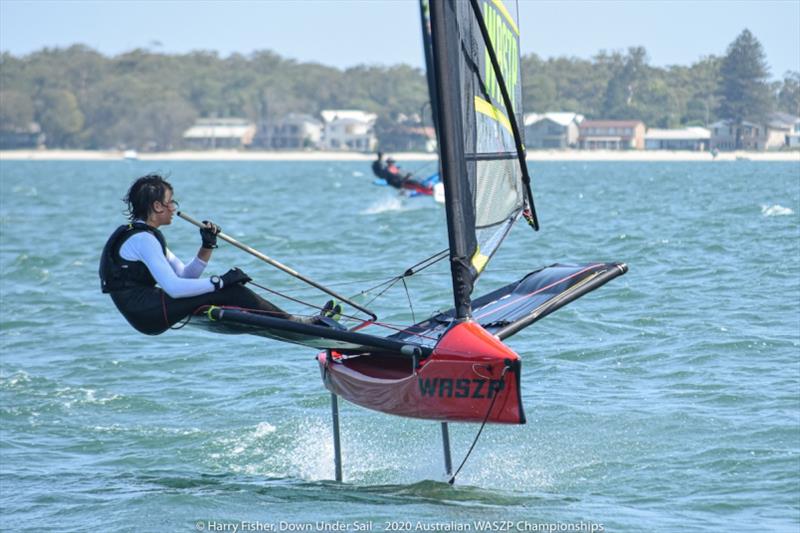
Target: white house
column 783, row 129
column 793, row 137
column 295, row 131
column 693, row 138
column 348, row 129
column 552, row 130
column 220, row 133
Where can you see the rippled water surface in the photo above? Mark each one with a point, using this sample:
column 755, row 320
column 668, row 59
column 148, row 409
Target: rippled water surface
column 668, row 400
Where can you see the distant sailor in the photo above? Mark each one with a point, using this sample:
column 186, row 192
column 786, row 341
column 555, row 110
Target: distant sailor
column 390, row 172
column 151, row 287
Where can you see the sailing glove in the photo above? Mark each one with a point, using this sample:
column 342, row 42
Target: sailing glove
column 234, row 276
column 209, row 234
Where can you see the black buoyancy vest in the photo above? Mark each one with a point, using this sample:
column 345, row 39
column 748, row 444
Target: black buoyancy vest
column 117, row 273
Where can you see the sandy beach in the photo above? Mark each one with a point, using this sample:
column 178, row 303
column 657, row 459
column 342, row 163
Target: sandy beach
column 241, row 155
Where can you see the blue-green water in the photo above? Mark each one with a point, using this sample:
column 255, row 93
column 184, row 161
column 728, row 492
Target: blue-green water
column 668, row 400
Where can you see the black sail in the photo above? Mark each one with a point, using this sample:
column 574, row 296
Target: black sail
column 478, row 90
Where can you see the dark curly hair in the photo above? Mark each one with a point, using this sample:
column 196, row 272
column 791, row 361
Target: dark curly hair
column 144, row 191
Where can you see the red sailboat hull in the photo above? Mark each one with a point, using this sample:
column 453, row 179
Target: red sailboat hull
column 471, row 376
column 418, row 188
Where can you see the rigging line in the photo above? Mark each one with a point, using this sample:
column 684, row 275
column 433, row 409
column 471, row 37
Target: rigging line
column 419, row 266
column 276, row 293
column 410, row 305
column 483, row 425
column 435, row 258
column 409, row 272
column 339, row 284
column 301, row 302
column 526, row 179
column 393, row 282
column 427, row 262
column 390, row 282
column 366, row 291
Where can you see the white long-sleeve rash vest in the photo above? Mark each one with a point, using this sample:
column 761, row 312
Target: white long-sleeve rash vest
column 177, row 280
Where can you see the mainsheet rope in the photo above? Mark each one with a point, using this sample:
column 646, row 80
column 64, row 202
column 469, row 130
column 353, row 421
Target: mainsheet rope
column 385, row 281
column 483, row 425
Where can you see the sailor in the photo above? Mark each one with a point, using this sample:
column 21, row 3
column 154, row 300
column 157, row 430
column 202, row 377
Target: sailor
column 151, row 287
column 391, row 173
column 378, row 166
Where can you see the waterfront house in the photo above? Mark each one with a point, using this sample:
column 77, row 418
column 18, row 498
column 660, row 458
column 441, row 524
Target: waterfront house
column 408, row 138
column 211, row 133
column 779, row 130
column 611, row 135
column 295, row 131
column 783, row 130
column 793, row 137
column 16, row 138
column 348, row 129
column 724, row 132
column 693, row 138
column 552, row 130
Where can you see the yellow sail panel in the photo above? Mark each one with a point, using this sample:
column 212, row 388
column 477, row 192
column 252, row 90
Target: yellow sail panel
column 479, row 260
column 491, row 111
column 501, row 7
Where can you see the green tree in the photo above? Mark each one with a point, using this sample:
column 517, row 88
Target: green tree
column 58, row 114
column 789, row 94
column 142, row 99
column 629, row 74
column 16, row 111
column 702, row 81
column 744, row 89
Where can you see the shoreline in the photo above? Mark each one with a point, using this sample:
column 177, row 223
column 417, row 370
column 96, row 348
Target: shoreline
column 536, row 155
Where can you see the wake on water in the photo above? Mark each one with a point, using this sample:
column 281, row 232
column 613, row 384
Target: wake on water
column 775, row 210
column 396, row 203
column 304, row 451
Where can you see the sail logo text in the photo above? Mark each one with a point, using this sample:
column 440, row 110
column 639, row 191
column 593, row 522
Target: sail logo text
column 506, row 48
column 460, row 388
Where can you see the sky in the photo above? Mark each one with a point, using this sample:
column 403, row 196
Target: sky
column 345, row 33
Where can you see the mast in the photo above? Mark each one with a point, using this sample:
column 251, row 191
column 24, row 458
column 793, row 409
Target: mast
column 445, row 40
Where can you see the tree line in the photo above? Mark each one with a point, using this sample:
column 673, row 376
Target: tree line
column 145, row 100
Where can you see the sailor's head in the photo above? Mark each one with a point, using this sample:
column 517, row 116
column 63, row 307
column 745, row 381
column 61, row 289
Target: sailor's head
column 390, row 161
column 150, row 198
